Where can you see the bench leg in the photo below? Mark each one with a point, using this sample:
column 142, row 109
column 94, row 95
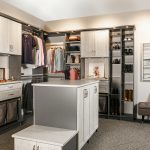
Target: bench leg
column 142, row 118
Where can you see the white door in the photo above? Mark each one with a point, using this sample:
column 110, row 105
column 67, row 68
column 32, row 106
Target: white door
column 15, row 37
column 80, row 116
column 102, row 43
column 92, row 105
column 87, row 44
column 96, row 106
column 24, row 145
column 42, row 146
column 86, row 117
column 3, row 35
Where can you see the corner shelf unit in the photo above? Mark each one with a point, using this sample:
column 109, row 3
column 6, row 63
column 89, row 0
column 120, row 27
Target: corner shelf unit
column 122, row 66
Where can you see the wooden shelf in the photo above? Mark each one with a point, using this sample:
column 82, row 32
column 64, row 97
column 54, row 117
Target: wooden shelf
column 72, row 42
column 72, row 52
column 72, row 63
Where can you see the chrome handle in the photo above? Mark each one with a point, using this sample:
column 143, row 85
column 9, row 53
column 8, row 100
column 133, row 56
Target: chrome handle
column 34, row 147
column 85, row 93
column 11, row 47
column 38, row 148
column 95, row 89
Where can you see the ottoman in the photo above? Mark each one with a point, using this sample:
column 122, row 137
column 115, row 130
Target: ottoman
column 144, row 109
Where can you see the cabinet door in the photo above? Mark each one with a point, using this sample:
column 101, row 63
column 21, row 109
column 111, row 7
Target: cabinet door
column 102, row 43
column 3, row 35
column 42, row 146
column 15, row 37
column 96, row 105
column 87, row 44
column 86, row 117
column 92, row 110
column 24, row 145
column 80, row 116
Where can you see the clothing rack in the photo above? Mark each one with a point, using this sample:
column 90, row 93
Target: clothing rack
column 32, row 30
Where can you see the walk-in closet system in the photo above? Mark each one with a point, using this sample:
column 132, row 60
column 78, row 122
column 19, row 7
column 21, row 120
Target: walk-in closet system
column 113, row 51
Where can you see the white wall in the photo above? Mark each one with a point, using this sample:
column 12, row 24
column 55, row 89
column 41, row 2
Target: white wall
column 19, row 14
column 141, row 20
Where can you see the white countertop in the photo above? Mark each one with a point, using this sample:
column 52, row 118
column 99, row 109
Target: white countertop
column 67, row 83
column 48, row 135
column 10, row 82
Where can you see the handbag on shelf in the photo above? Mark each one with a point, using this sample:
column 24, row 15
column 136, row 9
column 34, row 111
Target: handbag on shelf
column 74, row 38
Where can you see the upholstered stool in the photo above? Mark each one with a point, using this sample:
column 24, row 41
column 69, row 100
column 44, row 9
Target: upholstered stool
column 144, row 109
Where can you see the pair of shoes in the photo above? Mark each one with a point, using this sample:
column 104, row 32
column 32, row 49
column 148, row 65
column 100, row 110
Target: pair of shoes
column 116, row 61
column 128, row 51
column 128, row 95
column 128, row 68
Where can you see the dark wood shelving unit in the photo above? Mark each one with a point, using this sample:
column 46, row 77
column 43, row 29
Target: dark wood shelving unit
column 118, row 76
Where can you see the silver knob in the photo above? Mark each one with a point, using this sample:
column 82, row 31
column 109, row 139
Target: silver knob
column 95, row 89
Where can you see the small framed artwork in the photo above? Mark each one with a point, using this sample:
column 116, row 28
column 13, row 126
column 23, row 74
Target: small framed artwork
column 2, row 73
column 96, row 70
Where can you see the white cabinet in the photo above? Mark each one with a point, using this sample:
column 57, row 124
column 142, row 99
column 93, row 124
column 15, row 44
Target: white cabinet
column 86, row 117
column 88, row 112
column 38, row 137
column 3, row 35
column 96, row 106
column 14, row 32
column 87, row 44
column 21, row 144
column 10, row 37
column 102, row 43
column 95, row 43
column 24, row 145
column 93, row 108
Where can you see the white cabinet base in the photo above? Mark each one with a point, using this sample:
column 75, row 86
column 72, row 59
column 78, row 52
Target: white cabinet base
column 44, row 138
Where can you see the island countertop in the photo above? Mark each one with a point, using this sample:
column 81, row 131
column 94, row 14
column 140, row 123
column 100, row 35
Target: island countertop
column 67, row 83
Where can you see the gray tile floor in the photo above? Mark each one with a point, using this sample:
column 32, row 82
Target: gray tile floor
column 112, row 135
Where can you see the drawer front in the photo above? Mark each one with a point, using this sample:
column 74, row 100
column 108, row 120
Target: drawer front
column 103, row 89
column 10, row 94
column 104, row 83
column 10, row 86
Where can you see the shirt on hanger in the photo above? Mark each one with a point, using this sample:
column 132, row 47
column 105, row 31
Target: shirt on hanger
column 28, row 43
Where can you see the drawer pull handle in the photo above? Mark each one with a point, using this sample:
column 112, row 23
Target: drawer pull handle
column 11, row 94
column 95, row 89
column 34, row 147
column 85, row 93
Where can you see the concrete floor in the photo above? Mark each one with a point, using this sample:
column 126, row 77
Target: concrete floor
column 112, row 135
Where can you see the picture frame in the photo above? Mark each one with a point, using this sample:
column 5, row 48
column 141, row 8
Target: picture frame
column 2, row 73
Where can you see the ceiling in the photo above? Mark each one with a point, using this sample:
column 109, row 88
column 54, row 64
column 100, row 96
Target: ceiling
column 49, row 10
